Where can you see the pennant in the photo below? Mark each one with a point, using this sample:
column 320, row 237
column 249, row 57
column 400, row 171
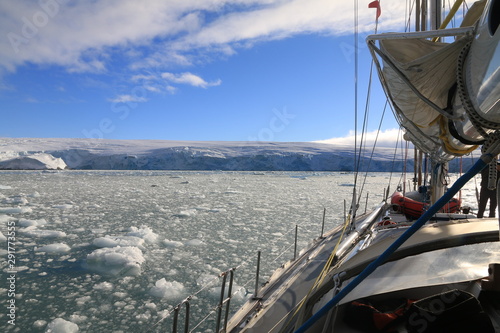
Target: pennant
column 375, row 4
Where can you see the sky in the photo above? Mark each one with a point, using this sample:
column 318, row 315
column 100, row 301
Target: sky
column 200, row 70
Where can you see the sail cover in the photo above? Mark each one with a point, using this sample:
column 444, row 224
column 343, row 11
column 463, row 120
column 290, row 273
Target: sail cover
column 431, row 68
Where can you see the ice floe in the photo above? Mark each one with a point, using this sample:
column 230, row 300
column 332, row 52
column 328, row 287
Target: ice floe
column 15, row 200
column 31, row 223
column 185, row 213
column 238, row 292
column 39, row 233
column 60, row 325
column 15, row 210
column 53, row 248
column 112, row 241
column 145, row 233
column 63, row 206
column 78, row 318
column 167, row 289
column 38, row 324
column 171, row 243
column 6, row 218
column 116, row 261
column 105, row 286
column 194, row 242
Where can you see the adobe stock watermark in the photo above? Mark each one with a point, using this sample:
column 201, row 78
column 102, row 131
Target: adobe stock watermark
column 31, row 26
column 433, row 307
column 11, row 278
column 277, row 124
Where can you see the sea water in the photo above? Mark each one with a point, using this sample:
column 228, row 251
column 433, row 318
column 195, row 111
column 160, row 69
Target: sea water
column 115, row 251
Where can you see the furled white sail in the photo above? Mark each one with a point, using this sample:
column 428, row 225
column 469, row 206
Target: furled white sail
column 430, row 67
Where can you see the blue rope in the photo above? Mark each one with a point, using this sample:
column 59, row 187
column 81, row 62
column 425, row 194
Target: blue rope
column 475, row 169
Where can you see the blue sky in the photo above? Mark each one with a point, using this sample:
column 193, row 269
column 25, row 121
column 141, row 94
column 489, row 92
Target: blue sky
column 211, row 70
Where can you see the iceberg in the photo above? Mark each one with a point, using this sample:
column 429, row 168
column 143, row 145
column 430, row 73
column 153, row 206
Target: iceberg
column 116, row 261
column 38, row 161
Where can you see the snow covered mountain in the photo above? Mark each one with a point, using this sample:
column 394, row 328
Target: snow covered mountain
column 101, row 154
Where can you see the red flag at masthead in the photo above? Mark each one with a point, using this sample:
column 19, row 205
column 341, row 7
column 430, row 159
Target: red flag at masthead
column 375, row 4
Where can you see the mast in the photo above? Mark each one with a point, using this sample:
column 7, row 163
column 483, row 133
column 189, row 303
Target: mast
column 435, row 14
column 423, row 16
column 417, row 175
column 439, row 170
column 417, row 15
column 428, row 14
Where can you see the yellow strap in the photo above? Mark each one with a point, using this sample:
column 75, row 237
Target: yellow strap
column 450, row 15
column 436, row 120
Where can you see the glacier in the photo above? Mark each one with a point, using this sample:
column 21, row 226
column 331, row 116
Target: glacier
column 106, row 154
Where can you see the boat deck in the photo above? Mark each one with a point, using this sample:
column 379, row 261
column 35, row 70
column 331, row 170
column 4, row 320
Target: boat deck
column 275, row 308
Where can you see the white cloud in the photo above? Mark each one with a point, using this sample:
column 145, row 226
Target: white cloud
column 152, row 88
column 385, row 138
column 167, row 81
column 127, row 99
column 171, row 89
column 87, row 36
column 75, row 35
column 189, row 79
column 143, row 77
